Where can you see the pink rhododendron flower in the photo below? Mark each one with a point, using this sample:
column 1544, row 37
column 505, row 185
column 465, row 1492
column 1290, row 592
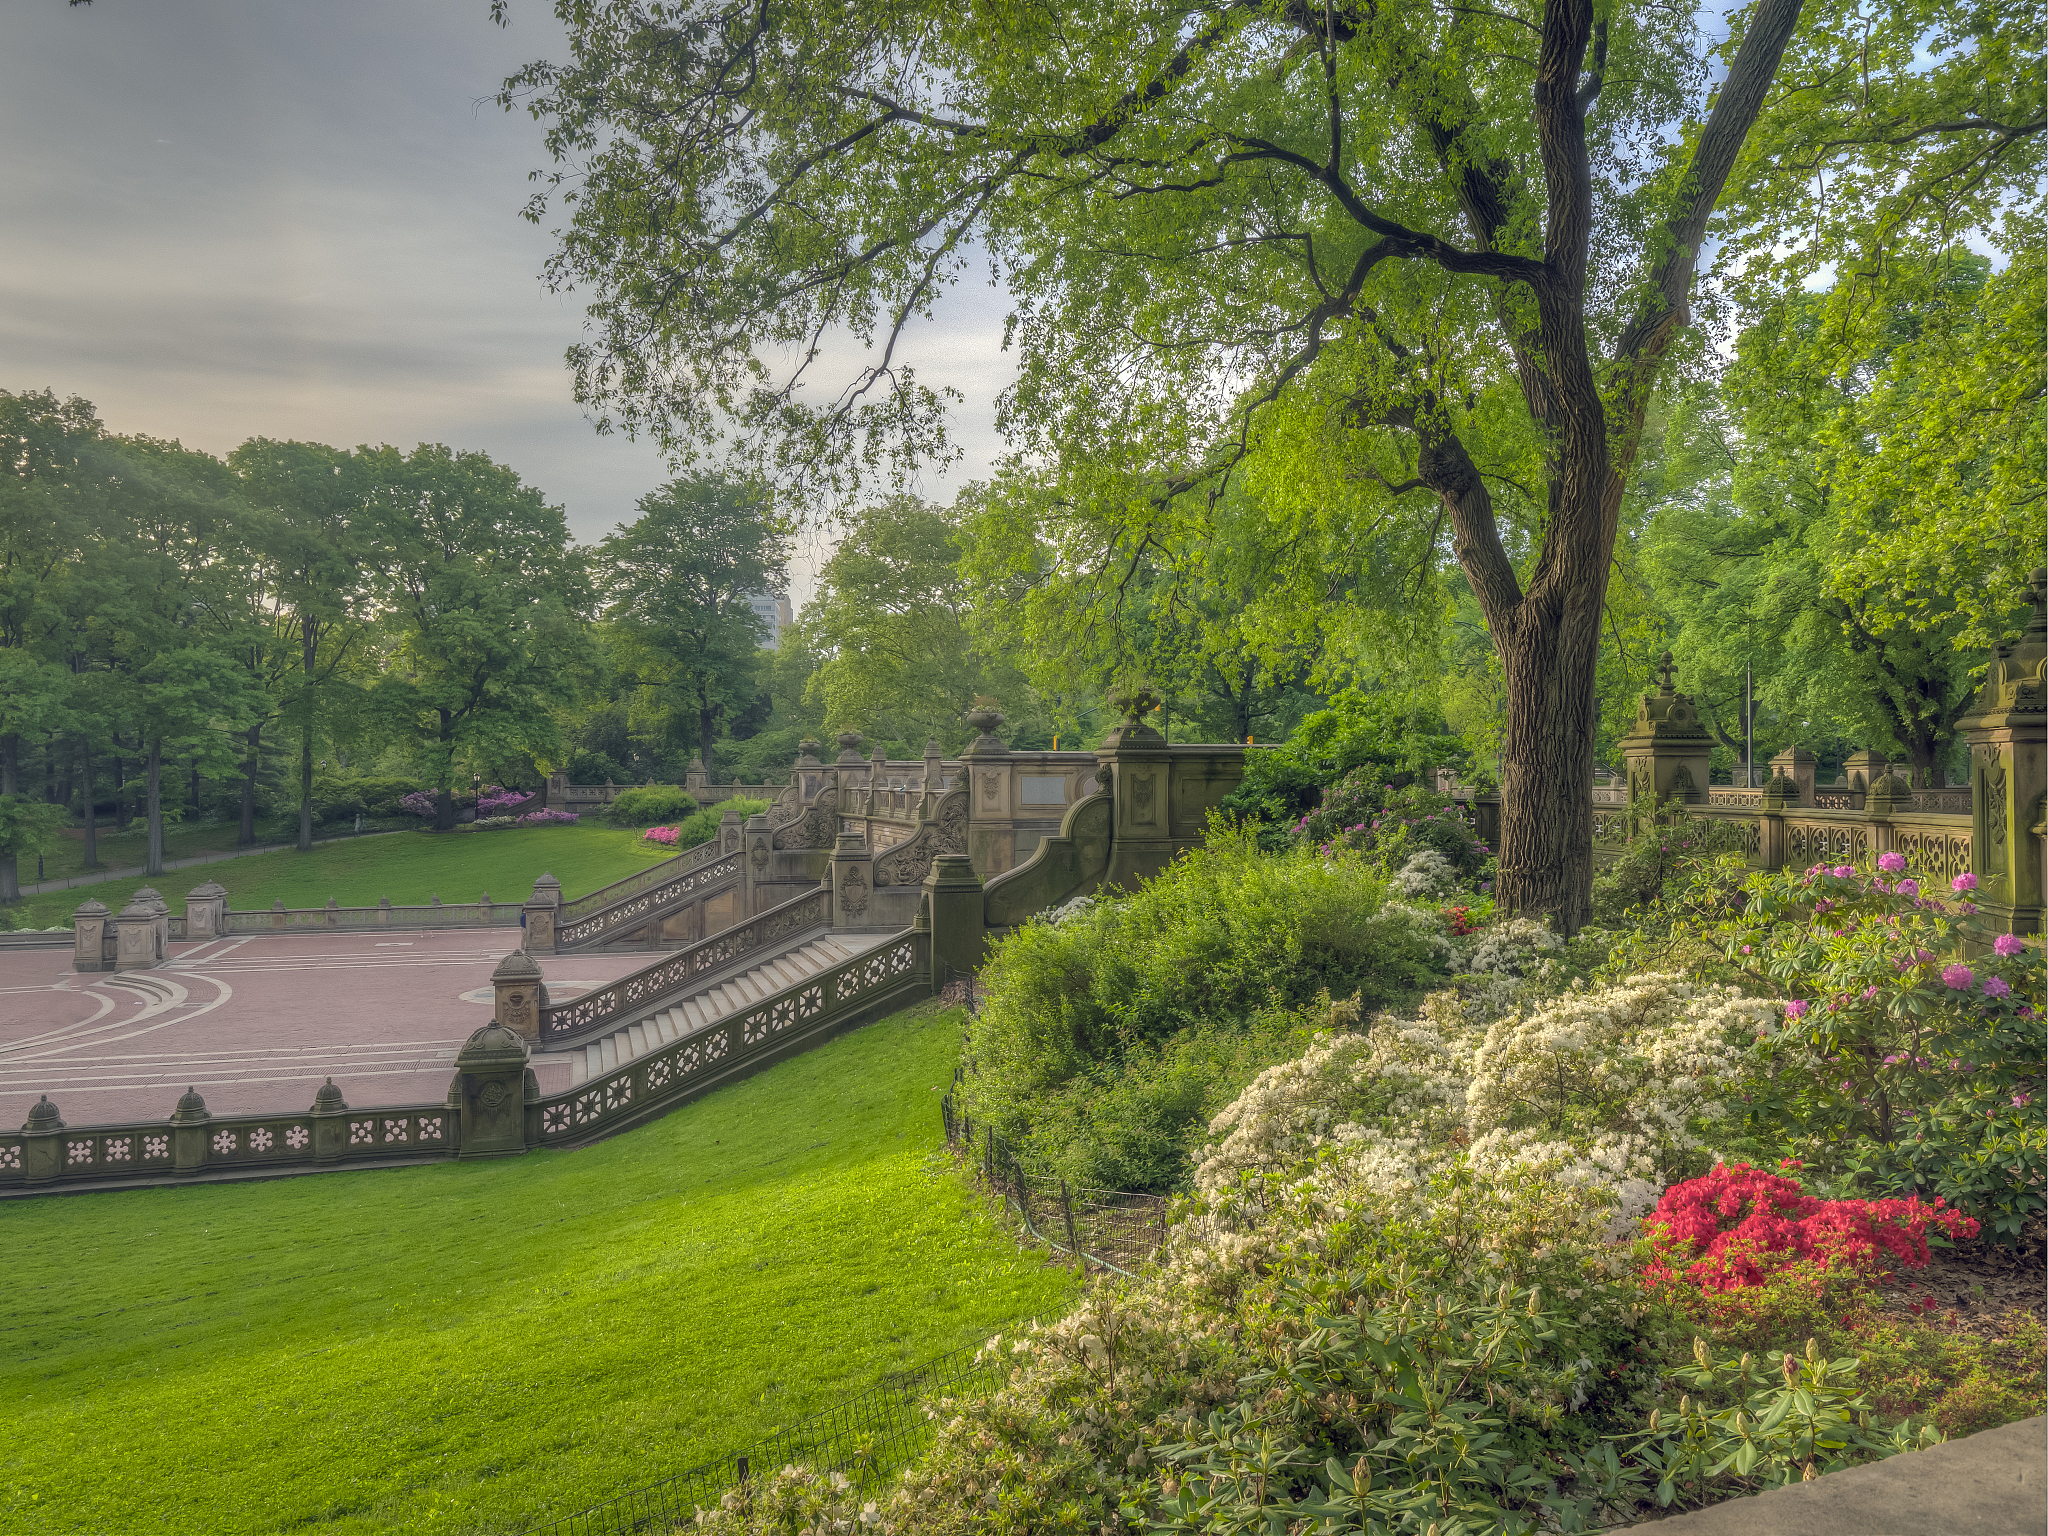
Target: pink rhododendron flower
column 1963, row 883
column 1891, row 863
column 1957, row 976
column 1996, row 986
column 1795, row 1009
column 2008, row 945
column 1908, row 887
column 1843, row 871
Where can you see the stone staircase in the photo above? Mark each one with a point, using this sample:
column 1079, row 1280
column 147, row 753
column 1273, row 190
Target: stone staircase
column 677, row 1017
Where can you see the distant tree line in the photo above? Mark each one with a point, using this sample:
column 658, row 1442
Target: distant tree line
column 187, row 635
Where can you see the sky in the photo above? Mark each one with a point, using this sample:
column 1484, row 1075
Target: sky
column 237, row 218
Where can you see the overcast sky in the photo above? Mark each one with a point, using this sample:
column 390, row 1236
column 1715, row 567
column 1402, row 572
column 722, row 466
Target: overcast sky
column 300, row 219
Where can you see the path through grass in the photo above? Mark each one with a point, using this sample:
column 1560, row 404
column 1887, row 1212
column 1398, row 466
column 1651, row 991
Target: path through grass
column 472, row 1346
column 406, row 866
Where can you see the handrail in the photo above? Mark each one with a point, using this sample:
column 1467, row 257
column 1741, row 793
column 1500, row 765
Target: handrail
column 819, row 1003
column 630, row 912
column 144, row 1149
column 640, row 880
column 603, row 1007
column 466, row 914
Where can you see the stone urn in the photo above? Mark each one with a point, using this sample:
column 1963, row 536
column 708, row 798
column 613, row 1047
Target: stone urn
column 985, row 718
column 849, row 747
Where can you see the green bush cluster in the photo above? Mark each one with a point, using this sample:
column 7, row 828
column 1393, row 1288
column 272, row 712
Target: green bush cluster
column 650, row 805
column 1111, row 1034
column 702, row 825
column 1401, row 745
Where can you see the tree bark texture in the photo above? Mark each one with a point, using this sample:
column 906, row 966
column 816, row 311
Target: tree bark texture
column 10, row 772
column 154, row 863
column 92, row 829
column 309, row 645
column 245, row 833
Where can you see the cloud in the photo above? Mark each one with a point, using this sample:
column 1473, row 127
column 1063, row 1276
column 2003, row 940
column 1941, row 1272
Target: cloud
column 293, row 219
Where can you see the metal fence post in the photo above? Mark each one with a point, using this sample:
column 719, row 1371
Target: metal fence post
column 1073, row 1237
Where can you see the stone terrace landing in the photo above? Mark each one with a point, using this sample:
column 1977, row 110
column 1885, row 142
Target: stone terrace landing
column 258, row 1023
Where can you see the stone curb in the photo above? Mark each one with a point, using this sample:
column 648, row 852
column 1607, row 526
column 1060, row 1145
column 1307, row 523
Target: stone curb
column 1994, row 1483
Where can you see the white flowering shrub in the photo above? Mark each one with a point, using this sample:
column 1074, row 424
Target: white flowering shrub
column 1646, row 1058
column 1514, row 947
column 1521, row 1141
column 1427, row 876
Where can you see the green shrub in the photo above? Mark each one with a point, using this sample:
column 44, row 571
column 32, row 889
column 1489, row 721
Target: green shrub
column 1078, row 1052
column 650, row 805
column 1399, row 744
column 701, row 826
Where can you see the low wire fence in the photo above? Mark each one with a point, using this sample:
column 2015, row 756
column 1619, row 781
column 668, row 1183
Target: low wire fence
column 867, row 1438
column 1114, row 1229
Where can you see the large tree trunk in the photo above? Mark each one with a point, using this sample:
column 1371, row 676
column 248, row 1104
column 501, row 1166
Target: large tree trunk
column 305, row 793
column 444, row 800
column 92, row 826
column 10, row 769
column 252, row 764
column 154, row 864
column 1546, row 760
column 309, row 645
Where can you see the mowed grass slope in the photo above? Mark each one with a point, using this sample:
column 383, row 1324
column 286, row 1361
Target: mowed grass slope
column 476, row 1346
column 409, row 867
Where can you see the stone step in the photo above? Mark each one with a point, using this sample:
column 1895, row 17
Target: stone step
column 769, row 978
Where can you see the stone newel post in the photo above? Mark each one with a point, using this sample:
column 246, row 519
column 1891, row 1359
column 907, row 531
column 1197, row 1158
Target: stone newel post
column 1136, row 767
column 521, row 994
column 42, row 1150
column 953, row 903
column 330, row 1123
column 206, row 911
column 541, row 910
column 1668, row 750
column 489, row 1092
column 2008, row 733
column 135, row 935
column 853, row 881
column 759, row 836
column 89, row 932
column 188, row 1132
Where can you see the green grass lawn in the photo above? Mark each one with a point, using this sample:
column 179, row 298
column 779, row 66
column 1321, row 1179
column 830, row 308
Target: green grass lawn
column 406, row 866
column 472, row 1346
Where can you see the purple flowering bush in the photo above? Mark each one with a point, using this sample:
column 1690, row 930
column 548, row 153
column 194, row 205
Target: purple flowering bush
column 1361, row 812
column 1909, row 1060
column 548, row 818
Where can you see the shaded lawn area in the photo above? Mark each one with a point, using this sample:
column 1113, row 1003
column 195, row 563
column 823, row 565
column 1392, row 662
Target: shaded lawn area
column 473, row 1346
column 406, row 866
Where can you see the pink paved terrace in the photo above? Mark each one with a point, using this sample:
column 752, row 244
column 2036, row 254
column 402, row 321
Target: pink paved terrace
column 257, row 1023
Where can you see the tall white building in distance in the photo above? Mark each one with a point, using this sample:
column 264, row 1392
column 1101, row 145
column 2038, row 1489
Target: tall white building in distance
column 776, row 611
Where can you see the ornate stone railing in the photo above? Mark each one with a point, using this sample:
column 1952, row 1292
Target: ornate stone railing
column 140, row 1151
column 652, row 902
column 602, row 1008
column 280, row 918
column 60, row 1158
column 584, row 907
column 877, row 981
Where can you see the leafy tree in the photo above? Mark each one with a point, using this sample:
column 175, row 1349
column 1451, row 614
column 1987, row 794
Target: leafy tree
column 677, row 582
column 487, row 604
column 41, row 535
column 314, row 596
column 1438, row 255
column 1815, row 532
column 174, row 539
column 891, row 620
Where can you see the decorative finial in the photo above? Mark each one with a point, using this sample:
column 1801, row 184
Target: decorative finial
column 1664, row 670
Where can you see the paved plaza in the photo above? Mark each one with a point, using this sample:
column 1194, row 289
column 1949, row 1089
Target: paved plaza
column 256, row 1023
